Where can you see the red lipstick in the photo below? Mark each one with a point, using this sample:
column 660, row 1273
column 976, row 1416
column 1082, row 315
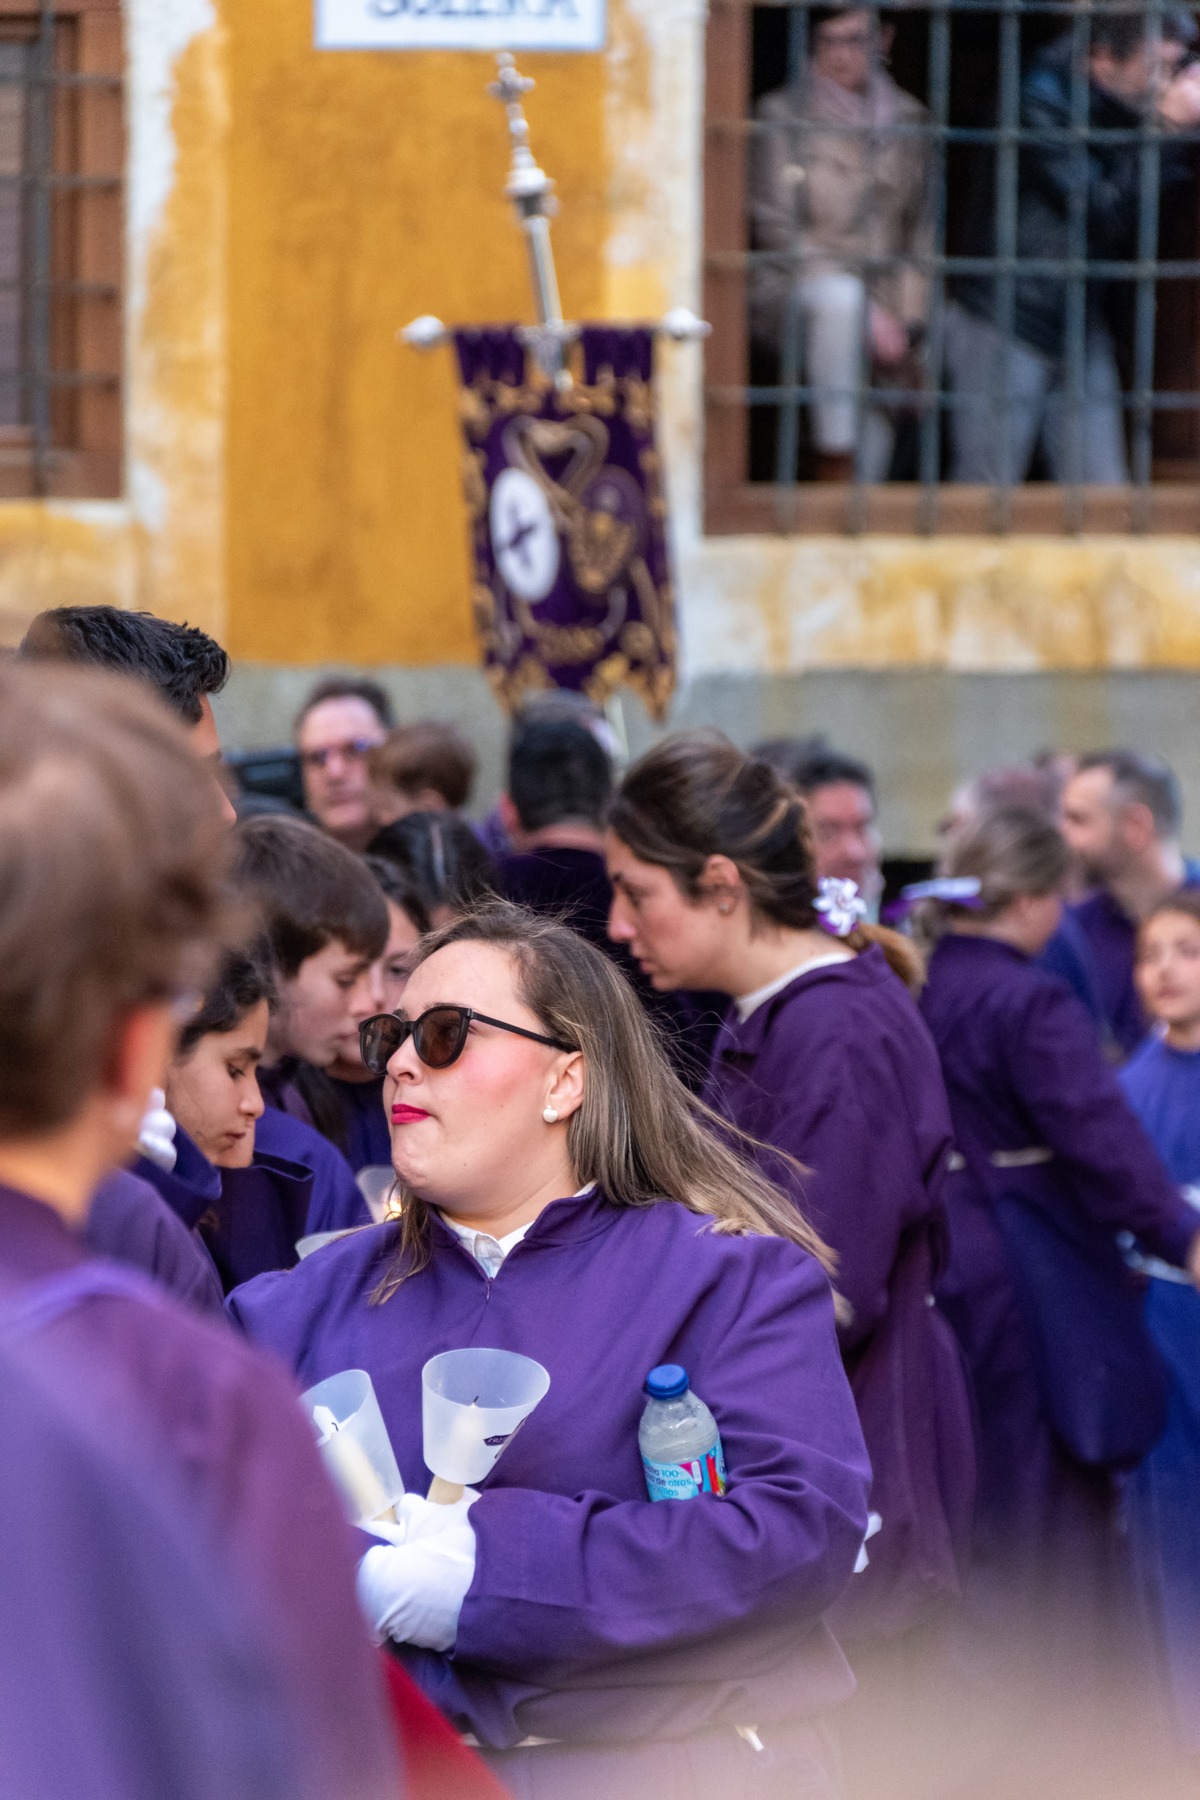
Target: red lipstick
column 407, row 1115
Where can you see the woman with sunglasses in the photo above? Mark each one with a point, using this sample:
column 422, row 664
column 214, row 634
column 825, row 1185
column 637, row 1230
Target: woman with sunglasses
column 563, row 1198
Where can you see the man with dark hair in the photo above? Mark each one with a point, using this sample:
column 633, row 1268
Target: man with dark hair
column 559, row 784
column 1121, row 815
column 1013, row 390
column 340, row 723
column 182, row 664
column 839, row 798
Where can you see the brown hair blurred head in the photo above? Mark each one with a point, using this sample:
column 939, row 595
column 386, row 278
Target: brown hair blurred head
column 696, row 795
column 111, row 852
column 1011, row 851
column 424, row 758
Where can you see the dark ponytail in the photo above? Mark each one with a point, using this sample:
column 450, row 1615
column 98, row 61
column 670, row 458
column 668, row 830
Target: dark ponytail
column 696, row 795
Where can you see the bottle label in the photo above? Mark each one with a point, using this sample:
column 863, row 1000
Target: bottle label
column 684, row 1480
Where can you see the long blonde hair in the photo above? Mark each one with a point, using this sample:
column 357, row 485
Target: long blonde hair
column 638, row 1134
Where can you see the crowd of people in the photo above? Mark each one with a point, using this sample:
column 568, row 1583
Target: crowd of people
column 627, row 1073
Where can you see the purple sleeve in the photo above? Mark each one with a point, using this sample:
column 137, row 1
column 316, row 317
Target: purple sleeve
column 859, row 1174
column 130, row 1222
column 1078, row 1109
column 565, row 1584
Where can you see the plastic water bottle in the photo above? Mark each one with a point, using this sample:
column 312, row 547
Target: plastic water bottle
column 678, row 1438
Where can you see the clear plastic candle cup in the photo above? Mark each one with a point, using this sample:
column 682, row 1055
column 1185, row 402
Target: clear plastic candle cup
column 353, row 1440
column 472, row 1401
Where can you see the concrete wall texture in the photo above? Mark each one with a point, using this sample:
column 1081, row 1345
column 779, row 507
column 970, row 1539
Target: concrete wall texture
column 292, row 472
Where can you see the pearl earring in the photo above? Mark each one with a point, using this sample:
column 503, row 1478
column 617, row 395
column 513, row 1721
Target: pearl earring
column 725, row 906
column 550, row 1114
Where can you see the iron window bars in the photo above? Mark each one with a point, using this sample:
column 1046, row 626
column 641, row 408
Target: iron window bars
column 61, row 149
column 927, row 501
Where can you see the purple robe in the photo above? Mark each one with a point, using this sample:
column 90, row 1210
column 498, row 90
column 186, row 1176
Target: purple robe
column 1025, row 1074
column 1093, row 951
column 595, row 1614
column 220, row 1428
column 838, row 1071
column 336, row 1202
column 129, row 1222
column 249, row 1220
column 367, row 1135
column 127, row 1666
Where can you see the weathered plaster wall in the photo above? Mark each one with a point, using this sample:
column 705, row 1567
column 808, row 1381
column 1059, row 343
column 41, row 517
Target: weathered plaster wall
column 367, row 188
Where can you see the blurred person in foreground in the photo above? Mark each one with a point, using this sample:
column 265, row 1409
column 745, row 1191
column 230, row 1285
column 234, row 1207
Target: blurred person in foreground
column 427, row 766
column 117, row 836
column 1052, row 1163
column 1162, row 1082
column 1121, row 815
column 839, row 800
column 343, row 719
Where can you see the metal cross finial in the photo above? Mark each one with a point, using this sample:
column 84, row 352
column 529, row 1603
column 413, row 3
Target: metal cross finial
column 532, row 193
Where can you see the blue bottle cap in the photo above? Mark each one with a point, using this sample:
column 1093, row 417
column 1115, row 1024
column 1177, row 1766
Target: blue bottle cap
column 667, row 1382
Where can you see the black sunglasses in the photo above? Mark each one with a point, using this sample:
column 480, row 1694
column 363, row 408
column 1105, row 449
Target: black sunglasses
column 439, row 1036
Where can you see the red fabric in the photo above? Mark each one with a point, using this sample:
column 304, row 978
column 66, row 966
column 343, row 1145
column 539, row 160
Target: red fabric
column 437, row 1764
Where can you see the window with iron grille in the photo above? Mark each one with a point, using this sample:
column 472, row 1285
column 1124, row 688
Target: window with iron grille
column 61, row 158
column 952, row 264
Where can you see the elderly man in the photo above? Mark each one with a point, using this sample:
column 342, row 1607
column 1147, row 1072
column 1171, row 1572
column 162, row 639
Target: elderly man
column 840, row 178
column 336, row 729
column 1121, row 815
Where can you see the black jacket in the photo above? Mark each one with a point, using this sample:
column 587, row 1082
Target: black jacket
column 1110, row 174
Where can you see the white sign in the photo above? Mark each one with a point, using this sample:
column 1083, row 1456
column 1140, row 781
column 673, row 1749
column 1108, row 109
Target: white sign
column 460, row 24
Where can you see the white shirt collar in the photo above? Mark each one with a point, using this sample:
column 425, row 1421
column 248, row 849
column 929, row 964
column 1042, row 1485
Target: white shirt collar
column 489, row 1252
column 745, row 1004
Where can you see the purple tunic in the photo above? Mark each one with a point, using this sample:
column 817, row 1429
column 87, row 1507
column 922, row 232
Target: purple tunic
column 129, row 1222
column 1093, row 951
column 1025, row 1073
column 127, row 1667
column 838, row 1071
column 593, row 1613
column 336, row 1202
column 221, row 1429
column 367, row 1136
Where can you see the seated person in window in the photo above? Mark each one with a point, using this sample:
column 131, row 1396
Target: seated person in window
column 1133, row 72
column 835, row 185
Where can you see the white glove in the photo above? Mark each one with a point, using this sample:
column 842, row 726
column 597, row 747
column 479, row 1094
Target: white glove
column 412, row 1589
column 156, row 1133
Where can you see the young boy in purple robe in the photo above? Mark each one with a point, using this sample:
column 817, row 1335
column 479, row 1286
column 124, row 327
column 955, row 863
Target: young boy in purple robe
column 326, row 925
column 563, row 1200
column 1162, row 1081
column 111, row 839
column 825, row 1064
column 1053, row 1163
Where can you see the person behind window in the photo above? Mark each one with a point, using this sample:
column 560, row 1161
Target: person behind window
column 1121, row 816
column 841, row 175
column 1133, row 76
column 338, row 726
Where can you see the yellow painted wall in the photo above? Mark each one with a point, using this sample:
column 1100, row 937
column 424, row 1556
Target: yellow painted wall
column 366, row 189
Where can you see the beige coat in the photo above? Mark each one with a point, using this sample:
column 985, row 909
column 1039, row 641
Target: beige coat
column 836, row 196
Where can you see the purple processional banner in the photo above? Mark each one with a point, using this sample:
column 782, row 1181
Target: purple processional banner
column 571, row 585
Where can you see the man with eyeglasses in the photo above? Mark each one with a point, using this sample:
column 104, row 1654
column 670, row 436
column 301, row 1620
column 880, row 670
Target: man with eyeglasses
column 339, row 724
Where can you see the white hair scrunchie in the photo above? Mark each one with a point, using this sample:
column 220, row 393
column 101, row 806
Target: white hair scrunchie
column 840, row 905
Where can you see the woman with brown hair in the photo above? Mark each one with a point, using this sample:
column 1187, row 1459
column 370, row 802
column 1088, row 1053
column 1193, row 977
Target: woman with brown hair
column 824, row 1062
column 1052, row 1164
column 564, row 1199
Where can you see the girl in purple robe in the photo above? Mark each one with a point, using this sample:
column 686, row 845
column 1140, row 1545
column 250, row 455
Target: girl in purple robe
column 824, row 1062
column 111, row 843
column 1052, row 1165
column 563, row 1200
column 1162, row 1082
